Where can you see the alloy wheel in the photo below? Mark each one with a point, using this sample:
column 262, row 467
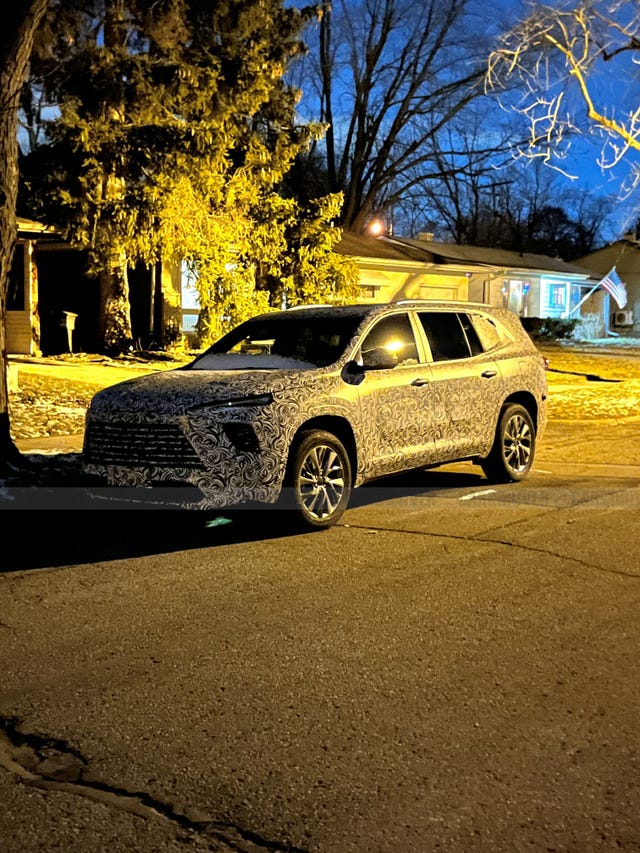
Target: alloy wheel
column 321, row 482
column 517, row 443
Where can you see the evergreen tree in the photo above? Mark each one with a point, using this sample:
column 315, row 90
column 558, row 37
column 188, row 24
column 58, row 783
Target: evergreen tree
column 176, row 130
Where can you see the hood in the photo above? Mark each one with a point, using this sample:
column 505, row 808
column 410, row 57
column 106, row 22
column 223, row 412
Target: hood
column 174, row 392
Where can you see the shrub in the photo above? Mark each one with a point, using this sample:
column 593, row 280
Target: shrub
column 549, row 328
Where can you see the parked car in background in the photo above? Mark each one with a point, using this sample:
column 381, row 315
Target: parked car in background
column 298, row 407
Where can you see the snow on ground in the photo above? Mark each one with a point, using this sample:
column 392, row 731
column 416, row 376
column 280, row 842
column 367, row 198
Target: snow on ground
column 622, row 342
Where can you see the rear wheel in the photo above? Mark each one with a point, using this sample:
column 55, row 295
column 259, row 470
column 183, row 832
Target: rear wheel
column 319, row 480
column 511, row 456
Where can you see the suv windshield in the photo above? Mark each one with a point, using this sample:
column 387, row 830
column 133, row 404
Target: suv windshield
column 296, row 341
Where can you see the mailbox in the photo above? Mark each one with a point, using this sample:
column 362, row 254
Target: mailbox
column 70, row 323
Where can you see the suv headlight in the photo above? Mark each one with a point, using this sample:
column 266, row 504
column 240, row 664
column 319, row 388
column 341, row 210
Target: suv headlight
column 250, row 401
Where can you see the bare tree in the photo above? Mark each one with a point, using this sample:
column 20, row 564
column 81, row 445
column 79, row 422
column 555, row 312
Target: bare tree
column 389, row 76
column 472, row 163
column 561, row 59
column 19, row 24
column 523, row 206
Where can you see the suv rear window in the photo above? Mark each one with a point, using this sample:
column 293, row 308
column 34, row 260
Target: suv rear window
column 490, row 333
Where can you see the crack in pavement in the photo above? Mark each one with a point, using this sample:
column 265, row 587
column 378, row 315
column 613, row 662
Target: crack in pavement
column 484, row 539
column 51, row 764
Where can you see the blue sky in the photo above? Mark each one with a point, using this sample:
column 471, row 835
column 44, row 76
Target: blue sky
column 614, row 86
column 616, row 89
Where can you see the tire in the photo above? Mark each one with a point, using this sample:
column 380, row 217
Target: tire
column 511, row 456
column 319, row 480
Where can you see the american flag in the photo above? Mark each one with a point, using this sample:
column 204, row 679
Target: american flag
column 612, row 284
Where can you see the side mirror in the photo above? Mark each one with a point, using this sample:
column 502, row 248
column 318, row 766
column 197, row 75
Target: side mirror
column 353, row 372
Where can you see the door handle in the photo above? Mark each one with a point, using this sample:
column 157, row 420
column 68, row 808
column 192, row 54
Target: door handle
column 489, row 374
column 418, row 383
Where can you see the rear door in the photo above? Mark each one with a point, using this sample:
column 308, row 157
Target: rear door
column 466, row 389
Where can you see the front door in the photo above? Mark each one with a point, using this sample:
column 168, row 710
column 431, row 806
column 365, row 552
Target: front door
column 395, row 399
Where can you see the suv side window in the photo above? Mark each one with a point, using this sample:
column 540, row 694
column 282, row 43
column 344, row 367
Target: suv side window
column 394, row 335
column 451, row 336
column 490, row 333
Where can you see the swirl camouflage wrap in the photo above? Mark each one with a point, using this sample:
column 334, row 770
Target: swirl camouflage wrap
column 400, row 385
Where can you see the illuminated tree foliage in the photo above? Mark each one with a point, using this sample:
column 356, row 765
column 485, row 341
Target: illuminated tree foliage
column 252, row 252
column 562, row 59
column 175, row 132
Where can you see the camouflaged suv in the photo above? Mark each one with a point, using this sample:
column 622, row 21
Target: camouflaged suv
column 298, row 407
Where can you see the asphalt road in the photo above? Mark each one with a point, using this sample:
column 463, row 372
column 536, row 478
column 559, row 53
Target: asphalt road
column 455, row 668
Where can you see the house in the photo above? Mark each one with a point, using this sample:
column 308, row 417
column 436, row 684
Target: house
column 393, row 268
column 23, row 321
column 48, row 283
column 624, row 255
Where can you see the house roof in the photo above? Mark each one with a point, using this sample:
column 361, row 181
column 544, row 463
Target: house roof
column 363, row 246
column 431, row 252
column 453, row 253
column 29, row 227
column 622, row 246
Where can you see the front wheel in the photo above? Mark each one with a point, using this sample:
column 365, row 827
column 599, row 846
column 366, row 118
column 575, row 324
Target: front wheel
column 319, row 480
column 511, row 456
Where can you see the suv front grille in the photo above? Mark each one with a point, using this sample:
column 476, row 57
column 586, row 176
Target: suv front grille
column 139, row 445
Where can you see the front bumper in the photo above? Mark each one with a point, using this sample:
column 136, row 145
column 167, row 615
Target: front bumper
column 224, row 463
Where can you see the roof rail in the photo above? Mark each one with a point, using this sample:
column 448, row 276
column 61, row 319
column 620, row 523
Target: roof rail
column 318, row 305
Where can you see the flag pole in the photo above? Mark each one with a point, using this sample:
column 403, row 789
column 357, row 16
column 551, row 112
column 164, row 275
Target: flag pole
column 584, row 299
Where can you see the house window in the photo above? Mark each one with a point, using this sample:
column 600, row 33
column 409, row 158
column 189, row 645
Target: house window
column 557, row 295
column 369, row 291
column 190, row 298
column 515, row 296
column 554, row 302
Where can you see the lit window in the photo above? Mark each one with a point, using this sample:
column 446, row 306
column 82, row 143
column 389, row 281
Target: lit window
column 515, row 295
column 369, row 291
column 556, row 296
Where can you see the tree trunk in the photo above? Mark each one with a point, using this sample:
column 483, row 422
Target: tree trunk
column 115, row 313
column 114, row 325
column 20, row 22
column 326, row 73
